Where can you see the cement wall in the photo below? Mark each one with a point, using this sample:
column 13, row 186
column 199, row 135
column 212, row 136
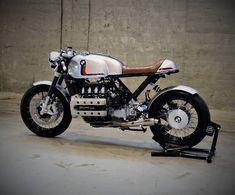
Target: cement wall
column 198, row 35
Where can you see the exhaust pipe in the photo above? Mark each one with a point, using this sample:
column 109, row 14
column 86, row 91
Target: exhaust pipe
column 138, row 123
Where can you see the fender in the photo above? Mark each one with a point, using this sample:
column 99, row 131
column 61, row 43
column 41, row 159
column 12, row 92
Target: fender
column 58, row 87
column 173, row 88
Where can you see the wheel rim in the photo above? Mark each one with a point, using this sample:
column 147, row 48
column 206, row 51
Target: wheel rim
column 179, row 118
column 51, row 119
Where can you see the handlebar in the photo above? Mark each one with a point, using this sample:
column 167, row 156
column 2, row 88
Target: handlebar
column 68, row 53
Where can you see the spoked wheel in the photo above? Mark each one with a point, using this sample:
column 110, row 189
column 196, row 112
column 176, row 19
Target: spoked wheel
column 183, row 119
column 51, row 123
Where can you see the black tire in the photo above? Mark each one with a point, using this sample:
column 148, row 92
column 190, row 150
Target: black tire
column 161, row 132
column 30, row 121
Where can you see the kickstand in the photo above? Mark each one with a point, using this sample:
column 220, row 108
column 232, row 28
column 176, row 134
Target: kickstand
column 196, row 153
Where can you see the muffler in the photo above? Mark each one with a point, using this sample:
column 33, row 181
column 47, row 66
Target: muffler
column 138, row 123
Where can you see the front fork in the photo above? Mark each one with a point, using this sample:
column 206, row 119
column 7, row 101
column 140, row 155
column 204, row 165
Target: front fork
column 56, row 80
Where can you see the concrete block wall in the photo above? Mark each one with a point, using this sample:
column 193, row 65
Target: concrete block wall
column 198, row 35
column 29, row 30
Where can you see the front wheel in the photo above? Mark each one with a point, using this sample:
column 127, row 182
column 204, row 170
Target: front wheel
column 51, row 123
column 183, row 119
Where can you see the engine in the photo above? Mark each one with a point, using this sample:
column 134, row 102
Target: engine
column 91, row 101
column 101, row 101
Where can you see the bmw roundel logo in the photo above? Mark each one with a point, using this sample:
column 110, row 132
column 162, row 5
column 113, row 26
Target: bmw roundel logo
column 82, row 62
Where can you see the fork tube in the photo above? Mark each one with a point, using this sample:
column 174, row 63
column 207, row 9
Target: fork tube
column 56, row 78
column 52, row 87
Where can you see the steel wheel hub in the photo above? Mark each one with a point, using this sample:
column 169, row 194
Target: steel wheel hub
column 178, row 119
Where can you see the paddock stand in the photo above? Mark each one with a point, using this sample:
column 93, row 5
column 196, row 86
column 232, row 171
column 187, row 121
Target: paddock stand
column 196, row 153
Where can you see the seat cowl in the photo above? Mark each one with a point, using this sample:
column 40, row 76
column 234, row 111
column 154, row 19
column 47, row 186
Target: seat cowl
column 168, row 66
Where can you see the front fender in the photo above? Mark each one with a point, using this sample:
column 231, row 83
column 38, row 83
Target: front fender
column 58, row 87
column 173, row 88
column 42, row 83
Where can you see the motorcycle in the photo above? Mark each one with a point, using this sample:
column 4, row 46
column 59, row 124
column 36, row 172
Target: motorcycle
column 89, row 85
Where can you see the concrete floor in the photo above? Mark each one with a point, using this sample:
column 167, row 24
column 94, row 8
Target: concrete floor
column 90, row 161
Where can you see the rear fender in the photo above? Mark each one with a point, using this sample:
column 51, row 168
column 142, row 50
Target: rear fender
column 173, row 88
column 58, row 87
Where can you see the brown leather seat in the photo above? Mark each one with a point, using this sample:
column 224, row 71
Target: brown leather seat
column 129, row 70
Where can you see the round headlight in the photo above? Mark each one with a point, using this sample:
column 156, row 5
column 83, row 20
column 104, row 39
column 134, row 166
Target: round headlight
column 54, row 56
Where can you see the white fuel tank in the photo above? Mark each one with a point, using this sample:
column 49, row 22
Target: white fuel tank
column 93, row 65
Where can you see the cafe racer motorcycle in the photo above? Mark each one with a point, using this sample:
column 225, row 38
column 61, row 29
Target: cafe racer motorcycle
column 89, row 85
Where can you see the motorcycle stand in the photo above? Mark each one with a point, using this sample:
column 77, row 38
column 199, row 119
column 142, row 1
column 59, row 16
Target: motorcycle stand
column 196, row 153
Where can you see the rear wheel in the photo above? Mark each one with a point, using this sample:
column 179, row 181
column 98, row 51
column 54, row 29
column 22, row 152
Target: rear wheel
column 183, row 119
column 51, row 123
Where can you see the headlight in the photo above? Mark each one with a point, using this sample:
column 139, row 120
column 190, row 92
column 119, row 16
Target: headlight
column 54, row 56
